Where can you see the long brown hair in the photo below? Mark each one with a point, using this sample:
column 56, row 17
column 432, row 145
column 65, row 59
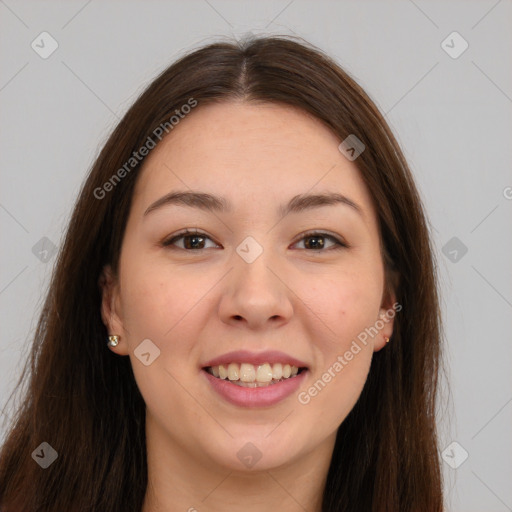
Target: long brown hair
column 83, row 400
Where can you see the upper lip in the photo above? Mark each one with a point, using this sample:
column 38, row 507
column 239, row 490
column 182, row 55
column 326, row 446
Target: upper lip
column 255, row 358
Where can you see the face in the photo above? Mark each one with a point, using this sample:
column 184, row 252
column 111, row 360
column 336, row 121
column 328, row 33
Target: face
column 271, row 271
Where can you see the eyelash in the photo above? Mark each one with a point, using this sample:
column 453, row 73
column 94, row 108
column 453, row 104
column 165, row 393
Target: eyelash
column 310, row 234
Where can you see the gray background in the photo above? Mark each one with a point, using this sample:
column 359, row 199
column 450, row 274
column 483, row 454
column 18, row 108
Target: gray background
column 451, row 115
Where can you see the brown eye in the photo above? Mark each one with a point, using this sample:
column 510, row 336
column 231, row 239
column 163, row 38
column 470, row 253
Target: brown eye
column 196, row 241
column 317, row 242
column 192, row 241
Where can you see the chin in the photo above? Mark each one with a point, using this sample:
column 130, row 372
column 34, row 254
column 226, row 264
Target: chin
column 253, row 454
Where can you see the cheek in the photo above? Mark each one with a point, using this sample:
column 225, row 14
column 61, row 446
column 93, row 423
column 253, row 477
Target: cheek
column 160, row 307
column 334, row 391
column 343, row 303
column 164, row 306
column 348, row 305
column 155, row 300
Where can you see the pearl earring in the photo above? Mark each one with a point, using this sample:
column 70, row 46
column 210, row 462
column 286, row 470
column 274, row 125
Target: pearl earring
column 113, row 341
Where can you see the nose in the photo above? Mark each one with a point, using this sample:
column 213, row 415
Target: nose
column 256, row 294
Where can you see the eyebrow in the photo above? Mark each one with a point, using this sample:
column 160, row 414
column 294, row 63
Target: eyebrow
column 214, row 203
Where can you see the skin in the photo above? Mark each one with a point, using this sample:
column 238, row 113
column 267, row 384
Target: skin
column 198, row 304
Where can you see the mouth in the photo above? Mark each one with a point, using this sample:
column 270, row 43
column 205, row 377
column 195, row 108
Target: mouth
column 254, row 386
column 248, row 375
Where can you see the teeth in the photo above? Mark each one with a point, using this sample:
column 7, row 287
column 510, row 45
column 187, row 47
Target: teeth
column 233, row 372
column 247, row 372
column 249, row 375
column 277, row 371
column 264, row 373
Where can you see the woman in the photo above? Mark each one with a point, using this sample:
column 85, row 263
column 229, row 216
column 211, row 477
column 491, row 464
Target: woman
column 251, row 237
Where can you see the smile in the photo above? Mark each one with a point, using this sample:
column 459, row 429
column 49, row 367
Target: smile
column 251, row 376
column 254, row 393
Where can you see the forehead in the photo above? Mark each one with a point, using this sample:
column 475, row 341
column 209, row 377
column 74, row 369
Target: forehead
column 265, row 152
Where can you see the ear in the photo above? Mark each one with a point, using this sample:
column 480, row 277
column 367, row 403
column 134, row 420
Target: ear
column 111, row 313
column 385, row 322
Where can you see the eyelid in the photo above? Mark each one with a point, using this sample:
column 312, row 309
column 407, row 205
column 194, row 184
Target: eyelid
column 340, row 242
column 169, row 240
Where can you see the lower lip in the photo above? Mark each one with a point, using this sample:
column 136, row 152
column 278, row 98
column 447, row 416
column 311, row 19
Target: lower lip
column 255, row 397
